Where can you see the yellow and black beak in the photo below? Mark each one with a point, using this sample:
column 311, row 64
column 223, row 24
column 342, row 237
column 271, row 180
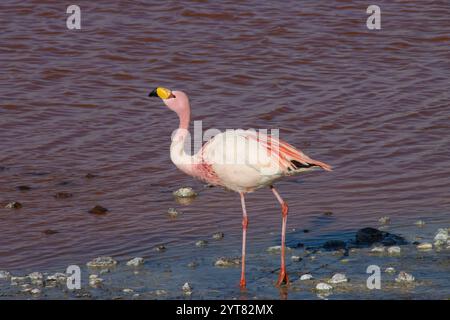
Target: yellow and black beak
column 161, row 92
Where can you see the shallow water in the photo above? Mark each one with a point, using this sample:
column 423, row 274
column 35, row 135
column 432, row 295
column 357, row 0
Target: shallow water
column 373, row 104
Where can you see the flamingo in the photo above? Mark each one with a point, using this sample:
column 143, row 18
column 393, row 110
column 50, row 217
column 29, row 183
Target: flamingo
column 228, row 160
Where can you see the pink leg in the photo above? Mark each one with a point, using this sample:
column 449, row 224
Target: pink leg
column 283, row 277
column 244, row 236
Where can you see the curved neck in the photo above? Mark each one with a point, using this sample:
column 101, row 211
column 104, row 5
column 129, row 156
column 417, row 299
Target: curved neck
column 177, row 154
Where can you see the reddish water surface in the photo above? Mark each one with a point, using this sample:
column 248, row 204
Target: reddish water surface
column 373, row 104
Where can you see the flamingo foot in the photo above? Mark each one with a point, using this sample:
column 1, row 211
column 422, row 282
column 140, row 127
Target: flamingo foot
column 282, row 278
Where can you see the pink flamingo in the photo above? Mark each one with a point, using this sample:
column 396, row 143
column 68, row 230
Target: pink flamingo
column 228, row 160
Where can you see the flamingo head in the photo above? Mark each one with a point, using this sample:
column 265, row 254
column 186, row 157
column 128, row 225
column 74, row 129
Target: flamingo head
column 175, row 100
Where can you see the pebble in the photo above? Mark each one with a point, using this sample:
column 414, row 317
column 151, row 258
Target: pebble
column 135, row 262
column 90, row 176
column 404, row 277
column 192, row 264
column 384, row 220
column 102, row 262
column 173, row 213
column 4, row 275
column 277, row 249
column 338, row 278
column 23, row 188
column 127, row 290
column 227, row 262
column 394, row 250
column 296, row 258
column 13, row 205
column 99, row 210
column 185, row 192
column 62, row 195
column 389, row 270
column 218, row 235
column 322, row 286
column 94, row 280
column 378, row 249
column 328, row 213
column 201, row 243
column 306, row 276
column 424, row 246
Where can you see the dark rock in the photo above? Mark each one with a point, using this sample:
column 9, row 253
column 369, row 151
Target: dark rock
column 23, row 188
column 98, row 210
column 305, row 231
column 369, row 236
column 90, row 176
column 50, row 232
column 328, row 213
column 334, row 245
column 62, row 195
column 160, row 248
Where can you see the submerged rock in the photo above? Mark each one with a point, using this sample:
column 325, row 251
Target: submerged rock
column 277, row 249
column 192, row 264
column 187, row 289
column 90, row 176
column 424, row 246
column 389, row 270
column 322, row 286
column 160, row 248
column 99, row 210
column 441, row 237
column 334, row 245
column 296, row 258
column 4, row 275
column 338, row 278
column 173, row 213
column 404, row 277
column 201, row 243
column 419, row 223
column 102, row 262
column 227, row 262
column 394, row 250
column 384, row 220
column 94, row 280
column 185, row 192
column 62, row 195
column 50, row 232
column 369, row 236
column 23, row 188
column 135, row 262
column 218, row 235
column 13, row 205
column 306, row 276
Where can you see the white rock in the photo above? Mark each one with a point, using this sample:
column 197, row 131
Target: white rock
column 227, row 262
column 94, row 280
column 323, row 286
column 35, row 291
column 16, row 280
column 420, row 223
column 296, row 258
column 306, row 276
column 127, row 290
column 338, row 278
column 277, row 249
column 384, row 220
column 173, row 213
column 185, row 192
column 35, row 276
column 160, row 292
column 394, row 250
column 404, row 277
column 218, row 235
column 441, row 235
column 135, row 262
column 187, row 289
column 424, row 246
column 201, row 243
column 378, row 249
column 389, row 270
column 4, row 275
column 102, row 262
